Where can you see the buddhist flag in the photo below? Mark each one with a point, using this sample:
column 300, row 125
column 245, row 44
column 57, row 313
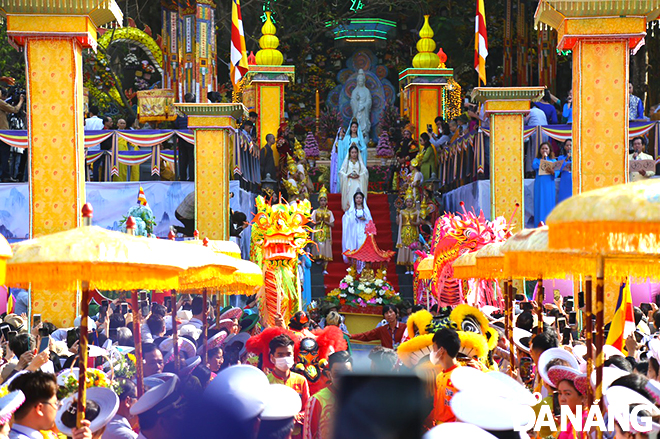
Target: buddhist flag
column 142, row 199
column 623, row 322
column 239, row 64
column 480, row 41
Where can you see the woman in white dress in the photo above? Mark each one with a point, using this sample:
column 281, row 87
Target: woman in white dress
column 353, row 177
column 354, row 136
column 353, row 224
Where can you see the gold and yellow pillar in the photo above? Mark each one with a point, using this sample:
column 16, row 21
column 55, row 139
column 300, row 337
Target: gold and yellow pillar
column 424, row 87
column 601, row 36
column 53, row 36
column 506, row 107
column 213, row 125
column 263, row 91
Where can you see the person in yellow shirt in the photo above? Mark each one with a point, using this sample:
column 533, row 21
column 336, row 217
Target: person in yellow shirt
column 446, row 345
column 281, row 355
column 123, row 145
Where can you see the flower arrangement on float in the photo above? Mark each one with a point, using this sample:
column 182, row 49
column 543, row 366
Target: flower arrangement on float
column 95, row 378
column 366, row 289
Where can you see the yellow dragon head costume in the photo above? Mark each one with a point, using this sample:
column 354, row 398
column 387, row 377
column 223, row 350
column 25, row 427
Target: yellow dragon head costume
column 478, row 339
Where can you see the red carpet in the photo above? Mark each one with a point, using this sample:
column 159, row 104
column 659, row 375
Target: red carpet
column 380, row 212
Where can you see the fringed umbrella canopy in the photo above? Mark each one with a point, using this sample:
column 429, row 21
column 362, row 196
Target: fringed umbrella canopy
column 465, row 266
column 228, row 248
column 425, row 268
column 490, row 262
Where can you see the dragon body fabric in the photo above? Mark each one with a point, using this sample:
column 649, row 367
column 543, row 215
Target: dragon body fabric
column 279, row 235
column 453, row 236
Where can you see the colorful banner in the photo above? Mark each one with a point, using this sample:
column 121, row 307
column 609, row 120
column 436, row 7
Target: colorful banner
column 145, row 138
column 132, row 158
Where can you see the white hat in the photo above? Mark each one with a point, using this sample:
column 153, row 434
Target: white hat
column 497, row 383
column 190, row 330
column 190, row 365
column 108, row 403
column 610, row 374
column 213, row 342
column 240, row 390
column 619, row 400
column 490, row 412
column 96, row 351
column 610, row 351
column 579, row 351
column 155, row 396
column 241, row 337
column 520, row 334
column 653, row 388
column 91, row 326
column 9, row 404
column 552, row 354
column 450, row 430
column 184, row 315
column 185, row 345
column 282, row 402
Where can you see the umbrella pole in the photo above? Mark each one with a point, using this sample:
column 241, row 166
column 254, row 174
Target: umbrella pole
column 205, row 324
column 175, row 334
column 600, row 336
column 509, row 312
column 82, row 356
column 137, row 341
column 541, row 299
column 588, row 328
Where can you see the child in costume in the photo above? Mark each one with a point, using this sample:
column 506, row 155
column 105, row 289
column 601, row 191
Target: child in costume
column 408, row 220
column 324, row 221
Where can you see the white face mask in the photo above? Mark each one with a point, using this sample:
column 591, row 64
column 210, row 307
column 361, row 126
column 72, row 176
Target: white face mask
column 434, row 358
column 284, row 363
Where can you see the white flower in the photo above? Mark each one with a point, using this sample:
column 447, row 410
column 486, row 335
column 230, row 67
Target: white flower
column 351, row 290
column 361, row 287
column 342, row 294
column 368, row 290
column 379, row 300
column 348, row 279
column 379, row 282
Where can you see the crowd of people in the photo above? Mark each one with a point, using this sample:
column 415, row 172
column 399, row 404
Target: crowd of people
column 235, row 378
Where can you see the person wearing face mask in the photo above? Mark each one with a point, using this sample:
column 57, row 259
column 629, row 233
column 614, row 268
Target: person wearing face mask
column 446, row 345
column 281, row 355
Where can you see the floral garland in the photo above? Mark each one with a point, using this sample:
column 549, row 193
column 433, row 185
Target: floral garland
column 95, row 378
column 361, row 291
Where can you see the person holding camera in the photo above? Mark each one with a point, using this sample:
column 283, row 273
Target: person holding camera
column 5, row 150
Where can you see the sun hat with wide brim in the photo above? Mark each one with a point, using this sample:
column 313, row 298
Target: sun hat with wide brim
column 9, row 404
column 520, row 336
column 108, row 403
column 552, row 354
column 620, row 401
column 213, row 342
column 610, row 351
column 185, row 345
column 490, row 412
column 610, row 374
column 232, row 313
column 189, row 365
column 282, row 402
column 497, row 383
column 241, row 338
column 557, row 374
column 450, row 430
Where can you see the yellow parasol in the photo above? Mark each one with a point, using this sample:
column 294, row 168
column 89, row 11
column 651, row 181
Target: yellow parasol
column 425, row 268
column 465, row 266
column 490, row 262
column 98, row 258
column 5, row 253
column 228, row 248
column 620, row 221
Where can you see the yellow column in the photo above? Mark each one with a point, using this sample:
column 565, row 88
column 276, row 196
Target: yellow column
column 53, row 37
column 507, row 107
column 264, row 90
column 601, row 36
column 213, row 125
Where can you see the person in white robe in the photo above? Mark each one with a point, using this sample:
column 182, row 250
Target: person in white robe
column 354, row 223
column 354, row 136
column 353, row 176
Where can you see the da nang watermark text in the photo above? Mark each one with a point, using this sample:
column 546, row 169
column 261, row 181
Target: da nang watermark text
column 627, row 417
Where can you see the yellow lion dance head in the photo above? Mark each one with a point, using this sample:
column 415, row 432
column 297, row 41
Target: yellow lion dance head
column 477, row 337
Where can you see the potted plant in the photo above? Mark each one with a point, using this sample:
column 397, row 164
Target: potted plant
column 329, row 124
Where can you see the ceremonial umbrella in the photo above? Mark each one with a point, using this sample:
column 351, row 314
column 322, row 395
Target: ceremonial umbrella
column 228, row 248
column 621, row 221
column 465, row 266
column 98, row 258
column 425, row 268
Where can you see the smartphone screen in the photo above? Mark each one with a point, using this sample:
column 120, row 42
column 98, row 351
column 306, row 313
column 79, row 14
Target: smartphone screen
column 572, row 318
column 561, row 324
column 43, row 345
column 168, row 303
column 143, row 297
column 581, row 299
column 557, row 295
column 568, row 304
column 556, row 407
column 145, row 310
column 429, row 128
column 5, row 331
column 566, row 335
column 36, row 319
column 124, row 308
